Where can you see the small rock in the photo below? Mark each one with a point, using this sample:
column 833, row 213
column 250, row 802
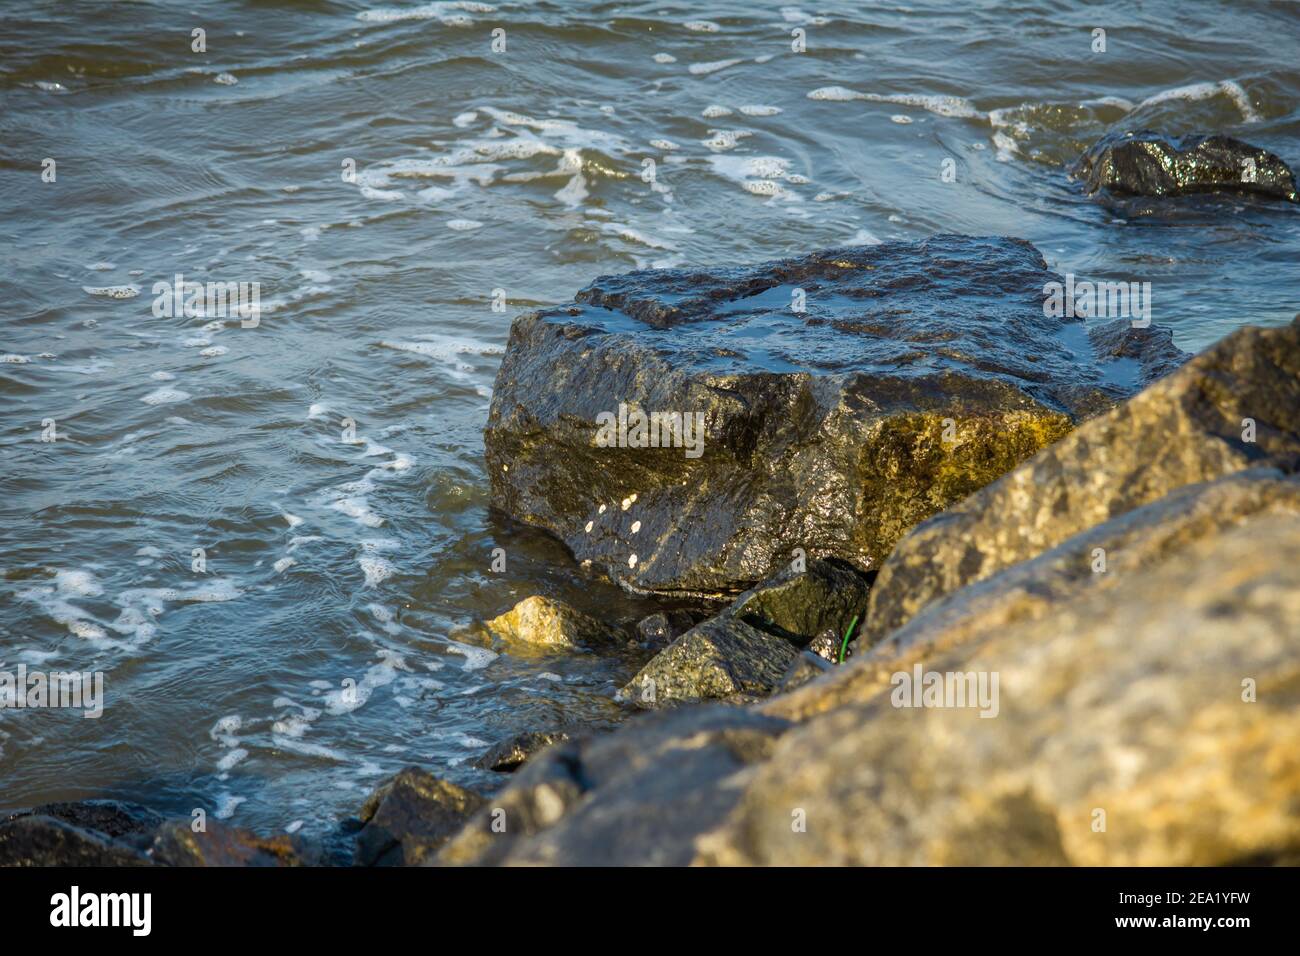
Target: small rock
column 800, row 605
column 409, row 817
column 509, row 755
column 721, row 658
column 1145, row 163
column 662, row 628
column 543, row 623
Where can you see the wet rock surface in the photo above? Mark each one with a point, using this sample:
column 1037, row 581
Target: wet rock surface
column 545, row 624
column 747, row 649
column 632, row 797
column 1140, row 711
column 914, row 374
column 509, row 755
column 409, row 817
column 1145, row 163
column 1189, row 427
column 112, row 833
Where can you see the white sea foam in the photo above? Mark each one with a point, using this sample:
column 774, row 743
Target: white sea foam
column 703, row 69
column 165, row 396
column 941, row 105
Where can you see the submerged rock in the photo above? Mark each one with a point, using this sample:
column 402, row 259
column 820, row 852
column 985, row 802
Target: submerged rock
column 1235, row 406
column 696, row 431
column 176, row 843
column 509, row 755
column 541, row 623
column 410, row 816
column 747, row 649
column 1145, row 163
column 112, row 833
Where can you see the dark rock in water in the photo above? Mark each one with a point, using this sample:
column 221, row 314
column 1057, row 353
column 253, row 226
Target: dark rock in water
column 541, row 624
column 723, row 658
column 747, row 649
column 111, row 833
column 509, row 755
column 37, row 840
column 112, row 818
column 176, row 843
column 1150, row 349
column 914, row 374
column 410, row 816
column 1234, row 406
column 542, row 816
column 663, row 627
column 1145, row 163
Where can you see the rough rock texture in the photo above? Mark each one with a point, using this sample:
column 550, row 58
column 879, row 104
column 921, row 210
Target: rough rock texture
column 1135, row 701
column 747, row 649
column 1036, row 589
column 410, row 816
column 1145, row 711
column 657, row 777
column 541, row 623
column 807, row 666
column 722, row 658
column 36, row 840
column 1128, row 702
column 1145, row 163
column 111, row 833
column 916, row 373
column 509, row 755
column 1185, row 428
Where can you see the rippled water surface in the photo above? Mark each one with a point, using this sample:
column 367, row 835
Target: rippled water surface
column 328, row 461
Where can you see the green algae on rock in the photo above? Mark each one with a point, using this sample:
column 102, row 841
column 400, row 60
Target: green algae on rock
column 1234, row 406
column 846, row 395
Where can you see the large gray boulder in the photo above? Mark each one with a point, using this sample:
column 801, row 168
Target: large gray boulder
column 914, row 374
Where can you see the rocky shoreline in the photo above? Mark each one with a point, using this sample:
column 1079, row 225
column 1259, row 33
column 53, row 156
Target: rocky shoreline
column 864, row 481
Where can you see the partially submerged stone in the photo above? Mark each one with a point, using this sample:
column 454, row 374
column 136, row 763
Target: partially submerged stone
column 410, row 816
column 1234, row 406
column 114, row 833
column 509, row 755
column 833, row 401
column 542, row 623
column 1145, row 163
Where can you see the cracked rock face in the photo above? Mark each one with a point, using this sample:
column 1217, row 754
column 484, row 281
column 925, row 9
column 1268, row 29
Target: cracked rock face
column 1145, row 163
column 693, row 432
